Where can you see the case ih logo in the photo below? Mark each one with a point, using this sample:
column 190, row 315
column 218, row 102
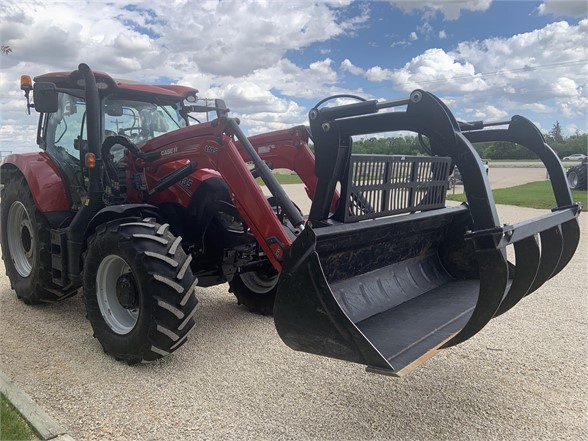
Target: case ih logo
column 169, row 151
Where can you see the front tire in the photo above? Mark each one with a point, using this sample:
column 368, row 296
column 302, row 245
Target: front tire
column 139, row 290
column 26, row 246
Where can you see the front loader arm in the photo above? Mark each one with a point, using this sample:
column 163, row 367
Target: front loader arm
column 211, row 146
column 288, row 149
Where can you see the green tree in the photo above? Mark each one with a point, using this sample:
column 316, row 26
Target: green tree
column 555, row 133
column 507, row 150
column 577, row 143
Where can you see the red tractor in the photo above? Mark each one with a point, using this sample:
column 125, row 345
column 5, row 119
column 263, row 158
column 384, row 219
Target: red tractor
column 138, row 203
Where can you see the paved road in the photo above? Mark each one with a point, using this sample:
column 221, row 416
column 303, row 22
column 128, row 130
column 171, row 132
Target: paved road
column 523, row 377
column 509, row 177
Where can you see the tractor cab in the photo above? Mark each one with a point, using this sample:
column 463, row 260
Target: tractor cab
column 136, row 111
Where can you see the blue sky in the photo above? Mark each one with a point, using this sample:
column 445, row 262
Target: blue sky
column 272, row 60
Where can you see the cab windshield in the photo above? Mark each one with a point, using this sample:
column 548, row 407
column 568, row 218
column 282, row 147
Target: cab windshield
column 139, row 121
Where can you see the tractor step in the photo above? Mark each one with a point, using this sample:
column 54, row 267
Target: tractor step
column 58, row 257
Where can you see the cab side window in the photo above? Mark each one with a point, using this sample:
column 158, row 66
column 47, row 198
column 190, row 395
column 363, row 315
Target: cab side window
column 66, row 129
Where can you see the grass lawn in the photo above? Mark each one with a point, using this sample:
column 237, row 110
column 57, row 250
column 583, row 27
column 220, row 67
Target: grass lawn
column 283, row 178
column 534, row 195
column 12, row 424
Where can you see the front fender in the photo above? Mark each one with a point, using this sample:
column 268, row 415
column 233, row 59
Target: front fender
column 120, row 211
column 43, row 178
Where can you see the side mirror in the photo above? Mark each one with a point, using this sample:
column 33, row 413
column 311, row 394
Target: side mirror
column 45, row 97
column 221, row 108
column 113, row 109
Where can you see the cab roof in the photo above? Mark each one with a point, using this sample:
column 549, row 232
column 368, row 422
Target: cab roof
column 73, row 80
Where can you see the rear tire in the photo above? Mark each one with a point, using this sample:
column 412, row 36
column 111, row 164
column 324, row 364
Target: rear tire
column 139, row 290
column 26, row 246
column 256, row 291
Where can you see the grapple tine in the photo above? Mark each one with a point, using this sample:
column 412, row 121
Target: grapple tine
column 552, row 245
column 493, row 284
column 528, row 257
column 571, row 237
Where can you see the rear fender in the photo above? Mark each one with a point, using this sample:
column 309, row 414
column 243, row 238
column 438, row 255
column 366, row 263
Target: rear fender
column 43, row 179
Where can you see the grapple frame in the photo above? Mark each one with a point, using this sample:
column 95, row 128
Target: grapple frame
column 390, row 291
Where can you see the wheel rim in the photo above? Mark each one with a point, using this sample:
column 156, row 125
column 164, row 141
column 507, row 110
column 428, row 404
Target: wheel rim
column 573, row 179
column 21, row 240
column 259, row 283
column 118, row 318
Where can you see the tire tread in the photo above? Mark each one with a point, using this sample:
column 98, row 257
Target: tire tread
column 159, row 260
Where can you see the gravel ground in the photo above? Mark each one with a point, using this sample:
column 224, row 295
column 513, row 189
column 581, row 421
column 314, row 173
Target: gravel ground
column 523, row 377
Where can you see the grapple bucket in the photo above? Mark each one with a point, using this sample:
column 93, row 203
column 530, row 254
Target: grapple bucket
column 393, row 275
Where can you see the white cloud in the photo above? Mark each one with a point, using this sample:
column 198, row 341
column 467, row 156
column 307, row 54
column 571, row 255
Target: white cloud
column 488, row 112
column 234, row 48
column 571, row 129
column 413, row 36
column 563, row 8
column 240, row 37
column 425, row 28
column 565, row 87
column 253, row 99
column 537, row 108
column 348, row 66
column 376, row 73
column 438, row 70
column 451, row 10
column 289, row 79
column 215, row 37
column 543, row 71
column 240, row 50
column 539, row 70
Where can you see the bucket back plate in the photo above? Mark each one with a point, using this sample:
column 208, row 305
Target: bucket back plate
column 382, row 293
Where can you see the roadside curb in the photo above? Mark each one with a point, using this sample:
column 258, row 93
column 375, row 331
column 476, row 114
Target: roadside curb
column 43, row 424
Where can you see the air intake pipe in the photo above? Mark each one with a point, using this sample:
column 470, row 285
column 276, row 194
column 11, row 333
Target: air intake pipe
column 94, row 203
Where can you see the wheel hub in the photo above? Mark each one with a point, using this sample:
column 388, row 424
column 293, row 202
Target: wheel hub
column 26, row 239
column 259, row 282
column 126, row 291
